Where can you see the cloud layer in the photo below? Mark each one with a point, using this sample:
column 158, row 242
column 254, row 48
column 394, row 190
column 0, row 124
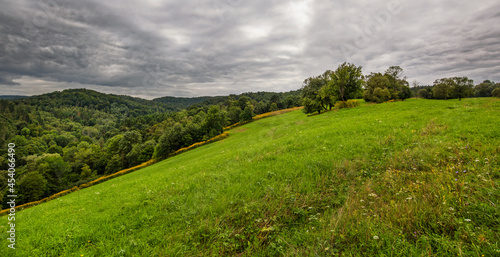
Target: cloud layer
column 155, row 48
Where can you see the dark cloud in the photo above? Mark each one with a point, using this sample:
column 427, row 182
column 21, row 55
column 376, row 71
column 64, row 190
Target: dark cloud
column 154, row 48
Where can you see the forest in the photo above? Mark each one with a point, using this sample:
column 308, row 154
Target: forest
column 65, row 139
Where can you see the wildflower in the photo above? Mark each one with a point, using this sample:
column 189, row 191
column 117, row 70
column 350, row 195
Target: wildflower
column 452, row 209
column 468, row 220
column 465, row 171
column 375, row 237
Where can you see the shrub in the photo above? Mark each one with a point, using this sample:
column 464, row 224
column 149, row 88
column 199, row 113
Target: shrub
column 346, row 104
column 381, row 95
column 352, row 103
column 495, row 92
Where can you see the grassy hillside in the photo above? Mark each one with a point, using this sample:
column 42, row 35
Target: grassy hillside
column 412, row 178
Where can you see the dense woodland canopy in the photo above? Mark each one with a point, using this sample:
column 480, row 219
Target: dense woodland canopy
column 67, row 138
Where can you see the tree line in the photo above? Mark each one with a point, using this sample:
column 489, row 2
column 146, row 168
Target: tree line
column 457, row 87
column 320, row 93
column 347, row 82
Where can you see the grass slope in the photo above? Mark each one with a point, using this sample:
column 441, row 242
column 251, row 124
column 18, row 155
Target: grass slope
column 412, row 178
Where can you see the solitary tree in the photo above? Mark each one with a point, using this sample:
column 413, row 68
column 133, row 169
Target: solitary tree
column 375, row 80
column 484, row 89
column 442, row 88
column 310, row 94
column 394, row 74
column 462, row 87
column 347, row 81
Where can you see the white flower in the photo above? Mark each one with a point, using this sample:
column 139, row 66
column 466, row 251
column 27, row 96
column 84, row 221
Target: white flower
column 375, row 237
column 468, row 220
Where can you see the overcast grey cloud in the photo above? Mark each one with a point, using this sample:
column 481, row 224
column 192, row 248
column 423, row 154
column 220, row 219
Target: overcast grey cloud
column 156, row 48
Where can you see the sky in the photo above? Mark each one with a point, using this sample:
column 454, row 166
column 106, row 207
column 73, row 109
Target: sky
column 155, row 48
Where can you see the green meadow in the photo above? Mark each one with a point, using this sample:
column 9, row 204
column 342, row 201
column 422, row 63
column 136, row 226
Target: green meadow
column 409, row 178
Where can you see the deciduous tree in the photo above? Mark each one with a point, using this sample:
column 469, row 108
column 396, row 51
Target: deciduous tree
column 347, row 81
column 442, row 88
column 462, row 87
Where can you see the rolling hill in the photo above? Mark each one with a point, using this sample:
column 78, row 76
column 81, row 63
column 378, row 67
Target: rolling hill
column 95, row 100
column 412, row 178
column 12, row 97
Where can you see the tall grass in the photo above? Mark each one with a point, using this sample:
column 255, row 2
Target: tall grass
column 412, row 178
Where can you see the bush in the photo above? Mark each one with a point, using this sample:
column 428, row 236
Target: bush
column 423, row 93
column 352, row 103
column 347, row 104
column 381, row 95
column 495, row 92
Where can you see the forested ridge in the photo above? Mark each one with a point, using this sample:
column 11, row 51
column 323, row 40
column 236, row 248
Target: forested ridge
column 64, row 139
column 67, row 138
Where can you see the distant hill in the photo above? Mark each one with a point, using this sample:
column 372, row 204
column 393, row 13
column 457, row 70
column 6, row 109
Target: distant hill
column 185, row 102
column 103, row 102
column 91, row 99
column 182, row 102
column 12, row 97
column 261, row 96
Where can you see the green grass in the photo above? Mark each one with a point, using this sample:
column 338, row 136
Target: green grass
column 293, row 185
